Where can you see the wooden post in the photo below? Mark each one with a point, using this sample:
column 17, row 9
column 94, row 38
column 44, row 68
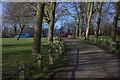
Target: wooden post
column 102, row 41
column 50, row 57
column 60, row 39
column 112, row 44
column 56, row 52
column 39, row 62
column 60, row 49
column 57, row 38
column 62, row 45
column 22, row 73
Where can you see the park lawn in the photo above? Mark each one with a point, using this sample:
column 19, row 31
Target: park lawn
column 15, row 52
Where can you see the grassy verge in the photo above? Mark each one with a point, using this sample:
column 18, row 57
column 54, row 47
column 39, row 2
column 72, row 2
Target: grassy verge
column 104, row 44
column 106, row 37
column 50, row 70
column 16, row 52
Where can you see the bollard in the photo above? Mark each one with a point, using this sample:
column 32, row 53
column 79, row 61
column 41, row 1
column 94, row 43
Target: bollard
column 50, row 57
column 22, row 73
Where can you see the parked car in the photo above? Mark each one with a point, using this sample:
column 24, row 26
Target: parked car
column 23, row 35
column 65, row 35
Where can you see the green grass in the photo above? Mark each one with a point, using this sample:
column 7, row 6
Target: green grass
column 105, row 43
column 16, row 52
column 106, row 37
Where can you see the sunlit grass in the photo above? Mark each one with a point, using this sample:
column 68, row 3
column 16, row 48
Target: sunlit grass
column 15, row 52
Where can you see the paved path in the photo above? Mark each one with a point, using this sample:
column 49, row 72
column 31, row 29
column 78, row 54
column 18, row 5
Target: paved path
column 88, row 61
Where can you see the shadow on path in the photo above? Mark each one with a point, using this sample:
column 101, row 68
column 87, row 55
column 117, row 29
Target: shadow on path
column 87, row 61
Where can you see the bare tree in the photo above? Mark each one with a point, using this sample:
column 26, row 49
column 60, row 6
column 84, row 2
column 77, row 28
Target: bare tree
column 89, row 15
column 114, row 26
column 82, row 7
column 49, row 17
column 18, row 15
column 37, row 32
column 77, row 17
column 99, row 15
column 51, row 23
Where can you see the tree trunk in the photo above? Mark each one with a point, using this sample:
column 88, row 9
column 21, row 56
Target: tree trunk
column 43, row 31
column 51, row 23
column 81, row 27
column 15, row 31
column 98, row 20
column 68, row 30
column 60, row 31
column 89, row 20
column 97, row 25
column 37, row 33
column 21, row 30
column 77, row 29
column 38, row 29
column 114, row 26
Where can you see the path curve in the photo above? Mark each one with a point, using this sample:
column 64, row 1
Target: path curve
column 88, row 61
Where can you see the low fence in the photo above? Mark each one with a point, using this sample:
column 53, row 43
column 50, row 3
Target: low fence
column 58, row 49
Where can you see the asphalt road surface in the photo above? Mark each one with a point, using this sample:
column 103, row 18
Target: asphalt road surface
column 88, row 61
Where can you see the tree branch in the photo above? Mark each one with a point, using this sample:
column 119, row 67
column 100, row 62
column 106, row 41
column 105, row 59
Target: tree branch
column 71, row 15
column 33, row 6
column 105, row 10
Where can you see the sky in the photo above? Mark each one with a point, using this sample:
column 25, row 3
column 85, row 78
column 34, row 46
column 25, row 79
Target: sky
column 67, row 18
column 58, row 0
column 0, row 19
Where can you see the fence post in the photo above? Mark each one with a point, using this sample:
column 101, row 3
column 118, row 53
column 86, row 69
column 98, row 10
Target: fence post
column 22, row 73
column 62, row 44
column 57, row 52
column 39, row 62
column 60, row 39
column 60, row 49
column 50, row 57
column 111, row 45
column 57, row 38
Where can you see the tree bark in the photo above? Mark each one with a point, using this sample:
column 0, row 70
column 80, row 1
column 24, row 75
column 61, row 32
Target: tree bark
column 114, row 26
column 98, row 20
column 15, row 28
column 81, row 27
column 77, row 29
column 97, row 25
column 89, row 20
column 36, row 51
column 38, row 29
column 21, row 30
column 51, row 23
column 68, row 30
